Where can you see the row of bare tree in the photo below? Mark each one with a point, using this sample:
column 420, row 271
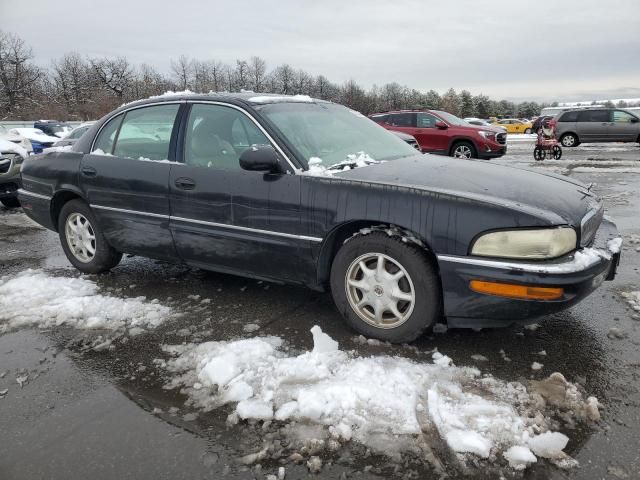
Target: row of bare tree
column 74, row 87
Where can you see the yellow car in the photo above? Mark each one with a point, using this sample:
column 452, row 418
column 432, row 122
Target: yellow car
column 513, row 125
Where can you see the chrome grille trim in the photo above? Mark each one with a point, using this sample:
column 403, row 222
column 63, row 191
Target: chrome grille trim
column 589, row 225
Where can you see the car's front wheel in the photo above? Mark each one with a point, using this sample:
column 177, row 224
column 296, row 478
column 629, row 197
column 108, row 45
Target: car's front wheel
column 569, row 140
column 528, row 131
column 385, row 288
column 463, row 150
column 10, row 202
column 82, row 241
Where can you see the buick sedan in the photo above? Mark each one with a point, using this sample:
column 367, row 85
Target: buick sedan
column 298, row 190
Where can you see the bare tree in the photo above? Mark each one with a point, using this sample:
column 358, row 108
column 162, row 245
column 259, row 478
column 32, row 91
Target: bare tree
column 302, row 83
column 182, row 70
column 257, row 74
column 73, row 83
column 241, row 75
column 283, row 79
column 18, row 76
column 114, row 74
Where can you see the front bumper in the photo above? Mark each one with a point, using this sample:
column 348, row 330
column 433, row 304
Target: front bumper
column 579, row 274
column 488, row 149
column 10, row 181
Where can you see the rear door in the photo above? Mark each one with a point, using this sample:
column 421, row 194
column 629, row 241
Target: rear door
column 434, row 139
column 125, row 179
column 624, row 128
column 227, row 218
column 594, row 125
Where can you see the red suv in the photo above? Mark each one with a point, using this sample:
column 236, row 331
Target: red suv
column 445, row 134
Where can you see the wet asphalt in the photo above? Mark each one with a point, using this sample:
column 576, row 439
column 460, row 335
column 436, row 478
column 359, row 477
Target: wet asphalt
column 104, row 415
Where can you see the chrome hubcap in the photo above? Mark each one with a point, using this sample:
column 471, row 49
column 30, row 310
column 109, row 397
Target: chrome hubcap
column 462, row 152
column 379, row 290
column 81, row 238
column 568, row 141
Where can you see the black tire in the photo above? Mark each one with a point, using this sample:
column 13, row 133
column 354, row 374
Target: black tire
column 427, row 303
column 461, row 145
column 539, row 153
column 10, row 202
column 557, row 152
column 105, row 256
column 528, row 131
column 569, row 140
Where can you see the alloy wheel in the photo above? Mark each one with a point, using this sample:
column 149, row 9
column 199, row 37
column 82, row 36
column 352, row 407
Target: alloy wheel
column 81, row 237
column 568, row 140
column 380, row 290
column 462, row 151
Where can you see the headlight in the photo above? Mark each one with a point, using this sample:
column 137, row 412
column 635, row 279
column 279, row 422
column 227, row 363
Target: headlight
column 487, row 134
column 526, row 244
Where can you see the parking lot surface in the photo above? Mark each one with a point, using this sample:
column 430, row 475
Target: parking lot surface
column 93, row 403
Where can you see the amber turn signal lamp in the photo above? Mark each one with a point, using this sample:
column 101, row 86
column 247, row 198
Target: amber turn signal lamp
column 516, row 291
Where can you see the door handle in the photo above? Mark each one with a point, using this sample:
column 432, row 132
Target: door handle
column 185, row 183
column 89, row 171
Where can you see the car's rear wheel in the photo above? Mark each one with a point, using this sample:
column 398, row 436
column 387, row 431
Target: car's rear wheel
column 385, row 288
column 10, row 202
column 569, row 140
column 82, row 241
column 463, row 150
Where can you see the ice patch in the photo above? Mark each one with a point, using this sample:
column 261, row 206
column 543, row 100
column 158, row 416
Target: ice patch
column 386, row 403
column 36, row 298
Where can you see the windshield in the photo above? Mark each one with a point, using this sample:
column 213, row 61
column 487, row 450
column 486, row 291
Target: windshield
column 333, row 133
column 452, row 119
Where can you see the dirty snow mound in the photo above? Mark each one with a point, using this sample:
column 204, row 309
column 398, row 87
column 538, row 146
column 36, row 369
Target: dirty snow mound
column 35, row 298
column 377, row 400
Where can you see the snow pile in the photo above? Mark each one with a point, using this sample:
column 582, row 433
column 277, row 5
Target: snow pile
column 281, row 98
column 64, row 148
column 382, row 402
column 614, row 245
column 99, row 151
column 353, row 160
column 35, row 298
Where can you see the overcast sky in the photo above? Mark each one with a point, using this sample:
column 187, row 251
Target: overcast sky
column 521, row 49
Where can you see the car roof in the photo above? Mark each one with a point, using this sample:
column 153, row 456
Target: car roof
column 245, row 98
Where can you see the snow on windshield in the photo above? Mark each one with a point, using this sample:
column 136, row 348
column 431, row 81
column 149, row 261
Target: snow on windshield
column 354, row 160
column 389, row 404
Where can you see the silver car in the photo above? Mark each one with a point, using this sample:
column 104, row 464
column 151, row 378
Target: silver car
column 597, row 125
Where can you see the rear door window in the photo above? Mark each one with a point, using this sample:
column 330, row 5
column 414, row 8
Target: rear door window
column 594, row 116
column 145, row 133
column 402, row 119
column 380, row 118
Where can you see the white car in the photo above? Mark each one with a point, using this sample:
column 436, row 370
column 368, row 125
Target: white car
column 39, row 140
column 19, row 140
column 482, row 123
column 73, row 136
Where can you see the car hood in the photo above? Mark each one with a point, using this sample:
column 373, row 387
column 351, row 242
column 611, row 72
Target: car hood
column 554, row 199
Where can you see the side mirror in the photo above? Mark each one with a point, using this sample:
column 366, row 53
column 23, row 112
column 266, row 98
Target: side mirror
column 261, row 158
column 441, row 125
column 635, row 120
